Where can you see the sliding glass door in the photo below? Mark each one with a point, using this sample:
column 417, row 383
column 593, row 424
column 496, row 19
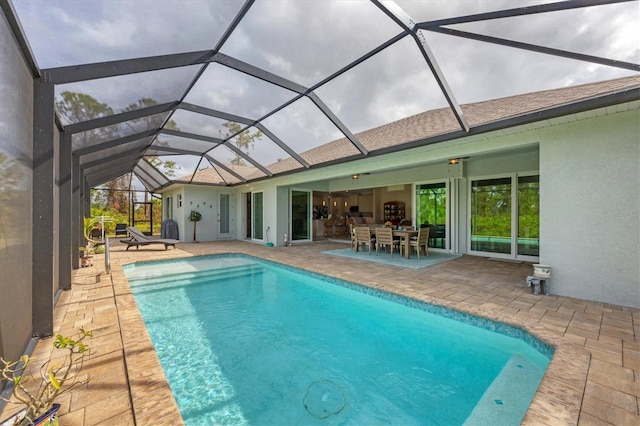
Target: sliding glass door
column 257, row 221
column 432, row 200
column 529, row 215
column 504, row 216
column 491, row 215
column 300, row 203
column 224, row 216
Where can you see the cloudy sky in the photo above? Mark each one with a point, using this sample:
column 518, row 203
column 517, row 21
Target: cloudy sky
column 306, row 41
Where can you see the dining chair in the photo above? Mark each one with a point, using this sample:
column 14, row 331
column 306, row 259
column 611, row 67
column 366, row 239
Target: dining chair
column 419, row 241
column 384, row 237
column 352, row 233
column 363, row 237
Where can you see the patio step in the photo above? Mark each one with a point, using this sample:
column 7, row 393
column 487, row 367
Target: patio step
column 509, row 394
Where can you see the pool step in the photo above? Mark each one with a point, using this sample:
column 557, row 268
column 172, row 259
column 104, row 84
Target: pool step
column 509, row 394
column 148, row 274
column 191, row 277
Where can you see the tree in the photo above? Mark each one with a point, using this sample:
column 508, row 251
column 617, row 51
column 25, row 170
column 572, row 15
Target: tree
column 152, row 122
column 77, row 107
column 195, row 216
column 9, row 174
column 117, row 195
column 243, row 140
column 11, row 179
column 167, row 166
column 149, row 121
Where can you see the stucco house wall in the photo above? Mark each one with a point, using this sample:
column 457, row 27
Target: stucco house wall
column 589, row 194
column 203, row 200
column 590, row 208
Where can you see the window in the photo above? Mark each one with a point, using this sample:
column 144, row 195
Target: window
column 491, row 215
column 505, row 216
column 529, row 215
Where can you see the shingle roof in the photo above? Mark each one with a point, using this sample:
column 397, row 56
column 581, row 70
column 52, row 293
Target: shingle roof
column 438, row 122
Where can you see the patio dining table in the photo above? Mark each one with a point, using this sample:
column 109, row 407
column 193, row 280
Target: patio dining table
column 405, row 236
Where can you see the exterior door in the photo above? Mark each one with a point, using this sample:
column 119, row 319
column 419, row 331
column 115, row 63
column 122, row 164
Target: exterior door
column 432, row 210
column 257, row 221
column 300, row 214
column 505, row 216
column 224, row 217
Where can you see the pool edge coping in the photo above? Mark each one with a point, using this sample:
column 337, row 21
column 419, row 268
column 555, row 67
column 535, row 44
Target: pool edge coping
column 557, row 399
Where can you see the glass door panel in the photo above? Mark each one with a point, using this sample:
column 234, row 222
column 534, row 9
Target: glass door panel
column 256, row 214
column 224, row 216
column 300, row 215
column 168, row 208
column 529, row 215
column 491, row 215
column 431, row 211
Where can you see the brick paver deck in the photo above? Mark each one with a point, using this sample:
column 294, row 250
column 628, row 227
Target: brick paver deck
column 593, row 379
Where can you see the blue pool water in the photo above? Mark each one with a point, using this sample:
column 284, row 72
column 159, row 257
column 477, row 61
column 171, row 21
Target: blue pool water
column 243, row 341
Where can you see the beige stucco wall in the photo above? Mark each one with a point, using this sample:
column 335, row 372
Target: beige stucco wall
column 590, row 203
column 590, row 192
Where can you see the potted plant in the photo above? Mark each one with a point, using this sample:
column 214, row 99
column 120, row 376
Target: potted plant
column 195, row 216
column 56, row 378
column 86, row 258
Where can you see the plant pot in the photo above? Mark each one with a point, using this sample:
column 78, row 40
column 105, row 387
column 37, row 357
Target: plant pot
column 542, row 271
column 50, row 418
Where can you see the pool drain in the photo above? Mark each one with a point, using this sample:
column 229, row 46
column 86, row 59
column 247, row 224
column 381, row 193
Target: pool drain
column 324, row 399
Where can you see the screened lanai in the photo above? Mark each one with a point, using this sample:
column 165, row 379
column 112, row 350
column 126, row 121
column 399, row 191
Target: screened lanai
column 237, row 98
column 139, row 84
column 236, row 92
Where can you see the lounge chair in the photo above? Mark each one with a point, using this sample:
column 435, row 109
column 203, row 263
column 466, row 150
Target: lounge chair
column 137, row 238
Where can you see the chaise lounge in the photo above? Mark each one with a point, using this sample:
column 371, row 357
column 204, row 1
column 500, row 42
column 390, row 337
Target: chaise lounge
column 137, row 238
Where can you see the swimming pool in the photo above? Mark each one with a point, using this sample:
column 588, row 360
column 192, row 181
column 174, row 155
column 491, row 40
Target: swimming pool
column 243, row 341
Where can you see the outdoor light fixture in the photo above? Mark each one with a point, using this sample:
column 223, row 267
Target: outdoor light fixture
column 345, row 204
column 356, row 176
column 324, row 203
column 454, row 160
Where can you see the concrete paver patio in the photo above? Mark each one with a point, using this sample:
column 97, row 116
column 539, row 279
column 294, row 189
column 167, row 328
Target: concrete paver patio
column 593, row 379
